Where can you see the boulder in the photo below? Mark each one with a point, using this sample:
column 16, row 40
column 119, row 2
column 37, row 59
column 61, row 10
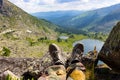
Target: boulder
column 24, row 66
column 110, row 52
column 1, row 3
column 9, row 75
column 56, row 72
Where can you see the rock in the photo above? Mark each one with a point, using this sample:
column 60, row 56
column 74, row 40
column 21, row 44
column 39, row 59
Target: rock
column 76, row 75
column 56, row 72
column 19, row 66
column 1, row 3
column 43, row 78
column 69, row 78
column 93, row 54
column 8, row 74
column 60, row 72
column 51, row 77
column 110, row 52
column 31, row 75
column 102, row 70
column 76, row 71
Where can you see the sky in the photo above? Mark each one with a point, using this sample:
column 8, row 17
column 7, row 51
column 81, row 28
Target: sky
column 32, row 6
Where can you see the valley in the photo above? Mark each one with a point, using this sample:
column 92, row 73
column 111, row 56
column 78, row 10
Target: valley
column 66, row 41
column 24, row 35
column 99, row 20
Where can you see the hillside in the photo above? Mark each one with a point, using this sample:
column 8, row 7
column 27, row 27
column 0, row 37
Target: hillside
column 57, row 17
column 18, row 30
column 100, row 20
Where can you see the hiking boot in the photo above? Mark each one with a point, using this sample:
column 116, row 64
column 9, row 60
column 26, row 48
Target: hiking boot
column 77, row 52
column 75, row 69
column 76, row 55
column 55, row 53
column 75, row 73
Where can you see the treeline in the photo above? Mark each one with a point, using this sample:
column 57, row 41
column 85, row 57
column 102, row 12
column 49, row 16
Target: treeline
column 93, row 35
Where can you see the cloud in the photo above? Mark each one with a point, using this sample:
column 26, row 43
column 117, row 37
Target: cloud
column 26, row 0
column 64, row 1
column 32, row 6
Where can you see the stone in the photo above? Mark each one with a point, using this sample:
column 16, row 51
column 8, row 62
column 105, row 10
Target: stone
column 76, row 71
column 56, row 69
column 43, row 77
column 21, row 65
column 76, row 75
column 110, row 52
column 9, row 74
column 56, row 72
column 1, row 3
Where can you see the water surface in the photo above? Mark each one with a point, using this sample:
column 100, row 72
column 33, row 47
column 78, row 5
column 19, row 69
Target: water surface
column 89, row 44
column 63, row 37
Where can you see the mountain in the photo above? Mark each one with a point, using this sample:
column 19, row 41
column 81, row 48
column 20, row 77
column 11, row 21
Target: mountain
column 13, row 17
column 19, row 30
column 57, row 17
column 100, row 20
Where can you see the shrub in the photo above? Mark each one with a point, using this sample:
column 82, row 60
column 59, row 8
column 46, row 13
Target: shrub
column 6, row 51
column 59, row 40
column 30, row 40
column 9, row 77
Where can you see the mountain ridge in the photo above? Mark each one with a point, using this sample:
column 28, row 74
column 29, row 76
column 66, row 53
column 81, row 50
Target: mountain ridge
column 19, row 31
column 20, row 19
column 94, row 20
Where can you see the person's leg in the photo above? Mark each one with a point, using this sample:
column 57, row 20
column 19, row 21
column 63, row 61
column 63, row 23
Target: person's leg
column 75, row 70
column 55, row 53
column 56, row 71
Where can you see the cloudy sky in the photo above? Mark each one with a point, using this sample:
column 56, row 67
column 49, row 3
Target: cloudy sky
column 32, row 6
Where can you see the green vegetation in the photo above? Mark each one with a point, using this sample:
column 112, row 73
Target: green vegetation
column 100, row 36
column 10, row 78
column 30, row 40
column 9, row 35
column 65, row 45
column 28, row 36
column 99, row 20
column 21, row 32
column 37, row 47
column 5, row 52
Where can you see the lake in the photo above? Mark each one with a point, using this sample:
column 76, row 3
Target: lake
column 64, row 37
column 89, row 44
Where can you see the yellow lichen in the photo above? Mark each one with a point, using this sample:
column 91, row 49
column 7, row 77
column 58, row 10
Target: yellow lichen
column 77, row 75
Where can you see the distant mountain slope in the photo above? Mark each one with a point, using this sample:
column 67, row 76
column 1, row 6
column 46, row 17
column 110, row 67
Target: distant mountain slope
column 101, row 19
column 57, row 17
column 96, row 20
column 19, row 30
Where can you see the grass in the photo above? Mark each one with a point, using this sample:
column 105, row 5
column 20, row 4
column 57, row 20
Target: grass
column 9, row 77
column 89, row 73
column 32, row 47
